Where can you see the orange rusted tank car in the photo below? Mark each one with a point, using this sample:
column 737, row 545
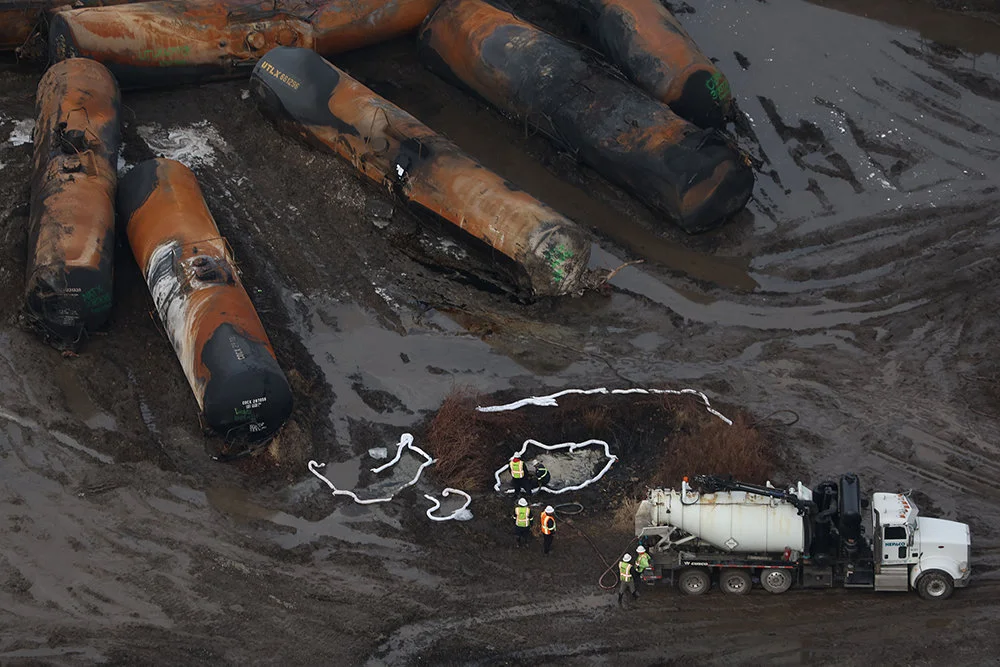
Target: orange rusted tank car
column 71, row 240
column 208, row 316
column 651, row 47
column 692, row 175
column 19, row 21
column 314, row 100
column 22, row 20
column 173, row 42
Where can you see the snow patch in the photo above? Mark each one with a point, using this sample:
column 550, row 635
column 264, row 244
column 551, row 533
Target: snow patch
column 194, row 145
column 21, row 134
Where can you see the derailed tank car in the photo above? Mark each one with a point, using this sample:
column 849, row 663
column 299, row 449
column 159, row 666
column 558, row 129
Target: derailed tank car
column 312, row 99
column 21, row 20
column 693, row 176
column 732, row 534
column 651, row 47
column 209, row 319
column 71, row 230
column 172, row 42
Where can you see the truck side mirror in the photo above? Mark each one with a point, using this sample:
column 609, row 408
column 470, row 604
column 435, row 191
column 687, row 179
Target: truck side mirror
column 865, row 504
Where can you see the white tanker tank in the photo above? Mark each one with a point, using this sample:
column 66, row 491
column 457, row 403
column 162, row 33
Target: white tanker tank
column 731, row 521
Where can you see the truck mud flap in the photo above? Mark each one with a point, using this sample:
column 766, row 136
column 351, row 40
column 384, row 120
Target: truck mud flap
column 170, row 43
column 71, row 229
column 646, row 42
column 309, row 98
column 693, row 176
column 209, row 319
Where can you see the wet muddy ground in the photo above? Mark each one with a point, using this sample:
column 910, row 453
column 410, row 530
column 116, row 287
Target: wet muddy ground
column 857, row 290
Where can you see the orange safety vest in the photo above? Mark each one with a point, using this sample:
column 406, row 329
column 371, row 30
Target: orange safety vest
column 548, row 524
column 517, row 469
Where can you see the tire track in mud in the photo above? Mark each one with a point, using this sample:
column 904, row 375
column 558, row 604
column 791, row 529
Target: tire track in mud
column 410, row 640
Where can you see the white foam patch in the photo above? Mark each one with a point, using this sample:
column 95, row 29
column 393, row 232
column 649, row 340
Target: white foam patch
column 194, row 145
column 21, row 134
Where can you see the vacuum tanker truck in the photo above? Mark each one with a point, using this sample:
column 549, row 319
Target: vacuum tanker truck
column 734, row 534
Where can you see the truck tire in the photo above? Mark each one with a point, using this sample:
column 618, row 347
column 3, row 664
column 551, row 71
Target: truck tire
column 694, row 581
column 935, row 585
column 775, row 580
column 735, row 582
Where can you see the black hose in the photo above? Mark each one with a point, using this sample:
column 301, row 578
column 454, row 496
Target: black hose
column 757, row 423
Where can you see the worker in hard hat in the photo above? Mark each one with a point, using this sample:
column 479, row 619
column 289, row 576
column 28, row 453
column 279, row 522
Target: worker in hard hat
column 542, row 476
column 522, row 521
column 548, row 523
column 641, row 564
column 517, row 474
column 625, row 579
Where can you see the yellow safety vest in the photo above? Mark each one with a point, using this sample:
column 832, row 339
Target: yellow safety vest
column 517, row 469
column 642, row 562
column 548, row 524
column 523, row 516
column 625, row 571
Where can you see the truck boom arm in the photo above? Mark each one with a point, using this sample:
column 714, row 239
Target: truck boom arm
column 714, row 483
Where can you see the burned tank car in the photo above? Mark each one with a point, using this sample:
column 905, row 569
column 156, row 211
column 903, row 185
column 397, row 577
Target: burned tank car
column 646, row 41
column 695, row 177
column 71, row 229
column 172, row 42
column 208, row 316
column 309, row 98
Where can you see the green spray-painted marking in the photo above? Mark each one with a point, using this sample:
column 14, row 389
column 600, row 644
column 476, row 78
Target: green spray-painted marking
column 97, row 299
column 166, row 56
column 718, row 88
column 242, row 414
column 556, row 257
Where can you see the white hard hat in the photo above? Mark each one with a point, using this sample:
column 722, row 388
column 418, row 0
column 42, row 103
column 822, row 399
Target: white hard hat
column 550, row 510
column 522, row 502
column 627, row 557
column 640, row 549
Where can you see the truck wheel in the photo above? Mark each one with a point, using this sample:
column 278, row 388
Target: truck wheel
column 735, row 582
column 694, row 581
column 774, row 580
column 935, row 585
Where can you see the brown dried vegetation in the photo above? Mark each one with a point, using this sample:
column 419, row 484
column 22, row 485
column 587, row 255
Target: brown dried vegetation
column 705, row 445
column 659, row 438
column 470, row 445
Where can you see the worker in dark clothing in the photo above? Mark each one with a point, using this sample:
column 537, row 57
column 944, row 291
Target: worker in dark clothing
column 548, row 523
column 625, row 580
column 517, row 474
column 542, row 475
column 522, row 521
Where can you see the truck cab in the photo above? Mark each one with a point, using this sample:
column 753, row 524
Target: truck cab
column 930, row 556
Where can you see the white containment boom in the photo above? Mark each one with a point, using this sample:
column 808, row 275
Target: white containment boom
column 731, row 521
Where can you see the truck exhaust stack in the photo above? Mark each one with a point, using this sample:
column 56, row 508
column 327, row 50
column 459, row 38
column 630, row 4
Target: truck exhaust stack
column 310, row 98
column 71, row 231
column 691, row 175
column 174, row 42
column 208, row 316
column 651, row 47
